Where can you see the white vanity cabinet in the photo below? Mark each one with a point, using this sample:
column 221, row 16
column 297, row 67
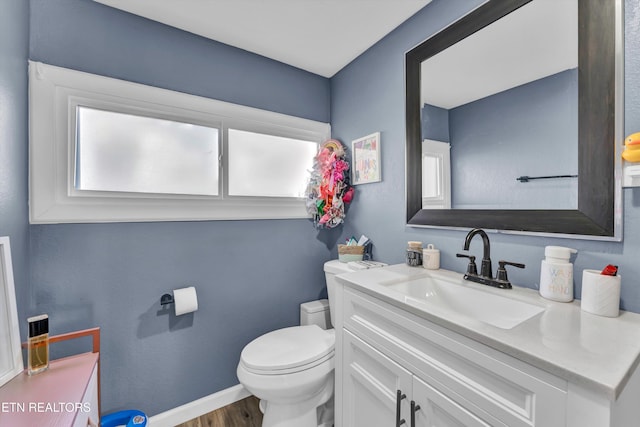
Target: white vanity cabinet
column 561, row 367
column 452, row 379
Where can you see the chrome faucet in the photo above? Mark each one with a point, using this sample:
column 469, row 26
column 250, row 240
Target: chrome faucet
column 486, row 275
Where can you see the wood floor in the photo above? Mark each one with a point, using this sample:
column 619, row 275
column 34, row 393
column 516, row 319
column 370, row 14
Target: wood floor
column 243, row 413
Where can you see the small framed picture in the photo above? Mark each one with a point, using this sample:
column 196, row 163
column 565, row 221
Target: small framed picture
column 365, row 154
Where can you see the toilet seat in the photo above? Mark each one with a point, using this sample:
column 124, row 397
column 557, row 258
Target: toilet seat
column 288, row 350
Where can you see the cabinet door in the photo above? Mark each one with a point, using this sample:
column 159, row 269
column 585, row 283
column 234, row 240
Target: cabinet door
column 438, row 410
column 371, row 382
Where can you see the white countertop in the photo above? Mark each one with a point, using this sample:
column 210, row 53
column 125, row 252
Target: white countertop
column 597, row 352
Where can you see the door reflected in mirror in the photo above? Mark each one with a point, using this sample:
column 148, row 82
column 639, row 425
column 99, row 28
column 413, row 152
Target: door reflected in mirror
column 436, row 175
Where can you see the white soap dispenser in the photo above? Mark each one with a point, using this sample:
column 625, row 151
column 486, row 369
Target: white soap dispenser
column 556, row 274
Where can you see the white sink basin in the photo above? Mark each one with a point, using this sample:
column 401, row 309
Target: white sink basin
column 500, row 311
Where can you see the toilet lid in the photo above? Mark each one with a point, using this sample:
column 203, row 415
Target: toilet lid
column 288, row 348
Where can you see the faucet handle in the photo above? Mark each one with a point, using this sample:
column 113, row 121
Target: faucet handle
column 502, row 271
column 471, row 268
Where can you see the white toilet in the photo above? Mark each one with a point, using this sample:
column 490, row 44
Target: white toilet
column 291, row 369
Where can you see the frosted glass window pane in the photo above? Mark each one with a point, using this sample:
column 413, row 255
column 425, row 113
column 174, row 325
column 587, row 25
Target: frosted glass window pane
column 267, row 165
column 127, row 153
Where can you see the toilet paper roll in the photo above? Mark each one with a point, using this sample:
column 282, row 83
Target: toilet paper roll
column 185, row 300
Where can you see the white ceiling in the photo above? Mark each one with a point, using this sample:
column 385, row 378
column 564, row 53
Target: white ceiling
column 320, row 36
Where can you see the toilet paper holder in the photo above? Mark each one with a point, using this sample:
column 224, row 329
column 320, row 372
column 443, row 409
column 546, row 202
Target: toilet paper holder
column 184, row 301
column 166, row 299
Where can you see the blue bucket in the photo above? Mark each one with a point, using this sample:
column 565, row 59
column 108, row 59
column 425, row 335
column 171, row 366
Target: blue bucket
column 129, row 418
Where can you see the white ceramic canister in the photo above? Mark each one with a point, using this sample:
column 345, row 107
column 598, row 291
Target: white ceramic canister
column 600, row 293
column 556, row 274
column 431, row 257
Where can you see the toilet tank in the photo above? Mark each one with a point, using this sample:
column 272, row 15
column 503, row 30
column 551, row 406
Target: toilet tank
column 315, row 313
column 320, row 312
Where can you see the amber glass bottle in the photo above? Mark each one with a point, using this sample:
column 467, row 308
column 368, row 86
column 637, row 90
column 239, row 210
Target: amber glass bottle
column 38, row 344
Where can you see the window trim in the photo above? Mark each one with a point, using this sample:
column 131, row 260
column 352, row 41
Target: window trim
column 54, row 93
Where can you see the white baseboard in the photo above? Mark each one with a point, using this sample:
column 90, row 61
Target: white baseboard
column 199, row 407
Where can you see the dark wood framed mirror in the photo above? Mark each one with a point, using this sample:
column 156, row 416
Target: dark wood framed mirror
column 600, row 110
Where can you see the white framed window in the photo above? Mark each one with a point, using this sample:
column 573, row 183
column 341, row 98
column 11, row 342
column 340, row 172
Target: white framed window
column 108, row 150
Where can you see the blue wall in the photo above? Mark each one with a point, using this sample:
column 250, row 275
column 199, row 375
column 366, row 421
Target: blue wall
column 529, row 130
column 435, row 123
column 367, row 96
column 14, row 41
column 250, row 276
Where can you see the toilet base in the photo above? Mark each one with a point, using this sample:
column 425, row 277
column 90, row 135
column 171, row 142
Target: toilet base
column 314, row 412
column 325, row 413
column 289, row 416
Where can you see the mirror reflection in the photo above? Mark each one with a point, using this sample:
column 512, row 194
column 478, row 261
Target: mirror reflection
column 499, row 114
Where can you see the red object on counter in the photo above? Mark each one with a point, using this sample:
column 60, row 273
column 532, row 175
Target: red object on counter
column 610, row 270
